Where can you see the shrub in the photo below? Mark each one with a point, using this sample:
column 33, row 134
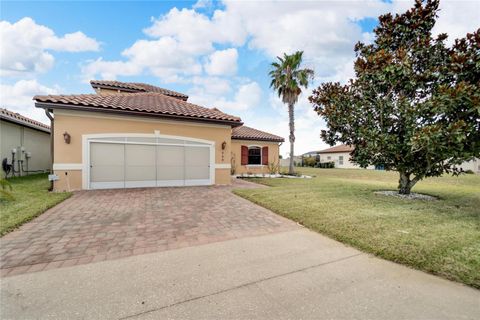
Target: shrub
column 326, row 165
column 309, row 162
column 273, row 167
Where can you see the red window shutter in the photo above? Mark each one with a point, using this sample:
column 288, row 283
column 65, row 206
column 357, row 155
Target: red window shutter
column 244, row 160
column 265, row 155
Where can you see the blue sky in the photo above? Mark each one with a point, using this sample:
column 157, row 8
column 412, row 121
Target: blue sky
column 217, row 52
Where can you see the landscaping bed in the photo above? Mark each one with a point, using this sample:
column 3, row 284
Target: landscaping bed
column 441, row 237
column 31, row 198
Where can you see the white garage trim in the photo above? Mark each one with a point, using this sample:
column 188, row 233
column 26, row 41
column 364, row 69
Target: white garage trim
column 89, row 138
column 67, row 166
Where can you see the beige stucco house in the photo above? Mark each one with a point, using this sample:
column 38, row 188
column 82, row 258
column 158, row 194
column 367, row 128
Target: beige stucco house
column 24, row 144
column 340, row 155
column 130, row 135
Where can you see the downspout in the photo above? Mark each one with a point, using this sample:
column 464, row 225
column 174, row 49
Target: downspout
column 49, row 115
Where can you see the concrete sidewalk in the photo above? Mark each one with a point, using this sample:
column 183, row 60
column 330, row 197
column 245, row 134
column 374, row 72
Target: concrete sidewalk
column 288, row 275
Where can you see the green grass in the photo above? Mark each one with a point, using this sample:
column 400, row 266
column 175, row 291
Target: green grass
column 31, row 199
column 440, row 237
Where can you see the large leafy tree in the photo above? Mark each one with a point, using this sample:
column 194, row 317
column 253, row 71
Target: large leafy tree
column 288, row 79
column 414, row 105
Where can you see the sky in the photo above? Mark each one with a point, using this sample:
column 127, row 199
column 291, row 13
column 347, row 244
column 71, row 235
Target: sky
column 217, row 52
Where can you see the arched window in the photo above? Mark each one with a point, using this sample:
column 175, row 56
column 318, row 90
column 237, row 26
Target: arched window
column 254, row 155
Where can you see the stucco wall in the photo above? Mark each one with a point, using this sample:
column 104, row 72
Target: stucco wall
column 273, row 152
column 78, row 123
column 36, row 142
column 335, row 156
column 473, row 165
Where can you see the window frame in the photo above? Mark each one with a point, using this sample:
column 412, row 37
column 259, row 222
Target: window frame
column 260, row 156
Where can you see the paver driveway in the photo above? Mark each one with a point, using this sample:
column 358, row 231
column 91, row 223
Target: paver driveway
column 108, row 224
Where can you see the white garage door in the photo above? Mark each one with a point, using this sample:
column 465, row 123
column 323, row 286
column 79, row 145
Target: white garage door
column 149, row 162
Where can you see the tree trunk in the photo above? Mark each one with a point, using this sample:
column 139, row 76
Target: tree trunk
column 291, row 123
column 405, row 183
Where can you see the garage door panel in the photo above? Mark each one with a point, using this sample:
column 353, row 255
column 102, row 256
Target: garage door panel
column 170, row 156
column 197, row 172
column 139, row 163
column 197, row 156
column 197, row 163
column 170, row 173
column 107, row 162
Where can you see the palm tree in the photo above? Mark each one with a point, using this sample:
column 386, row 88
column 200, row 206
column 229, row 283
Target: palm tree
column 287, row 78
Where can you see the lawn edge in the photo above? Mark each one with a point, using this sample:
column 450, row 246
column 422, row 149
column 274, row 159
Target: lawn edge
column 361, row 248
column 35, row 215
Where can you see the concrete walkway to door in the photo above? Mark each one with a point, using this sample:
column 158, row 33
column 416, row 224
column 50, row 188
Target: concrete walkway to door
column 100, row 225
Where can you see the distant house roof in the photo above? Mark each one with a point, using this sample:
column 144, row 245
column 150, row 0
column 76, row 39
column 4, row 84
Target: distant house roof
column 22, row 120
column 136, row 87
column 340, row 148
column 247, row 133
column 142, row 103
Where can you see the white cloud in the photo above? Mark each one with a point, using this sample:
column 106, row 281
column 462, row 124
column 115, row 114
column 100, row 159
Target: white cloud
column 18, row 98
column 211, row 86
column 108, row 69
column 222, row 63
column 201, row 4
column 326, row 31
column 26, row 47
column 248, row 96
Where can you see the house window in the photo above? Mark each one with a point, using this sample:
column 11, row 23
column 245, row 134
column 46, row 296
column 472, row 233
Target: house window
column 254, row 155
column 329, row 158
column 340, row 160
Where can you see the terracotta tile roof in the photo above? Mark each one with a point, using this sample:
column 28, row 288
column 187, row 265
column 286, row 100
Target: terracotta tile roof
column 137, row 103
column 340, row 148
column 136, row 87
column 18, row 118
column 247, row 133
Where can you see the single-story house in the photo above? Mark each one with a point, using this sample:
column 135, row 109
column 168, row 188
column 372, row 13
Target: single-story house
column 340, row 155
column 24, row 144
column 138, row 135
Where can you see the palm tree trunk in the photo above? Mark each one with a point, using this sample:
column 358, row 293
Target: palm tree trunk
column 291, row 123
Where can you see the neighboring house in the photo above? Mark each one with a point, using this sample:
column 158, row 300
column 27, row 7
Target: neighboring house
column 138, row 135
column 24, row 143
column 340, row 155
column 473, row 165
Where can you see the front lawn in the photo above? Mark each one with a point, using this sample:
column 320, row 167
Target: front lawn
column 31, row 199
column 441, row 237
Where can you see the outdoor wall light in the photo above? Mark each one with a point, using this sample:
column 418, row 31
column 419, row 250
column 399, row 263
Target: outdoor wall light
column 224, row 145
column 66, row 137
